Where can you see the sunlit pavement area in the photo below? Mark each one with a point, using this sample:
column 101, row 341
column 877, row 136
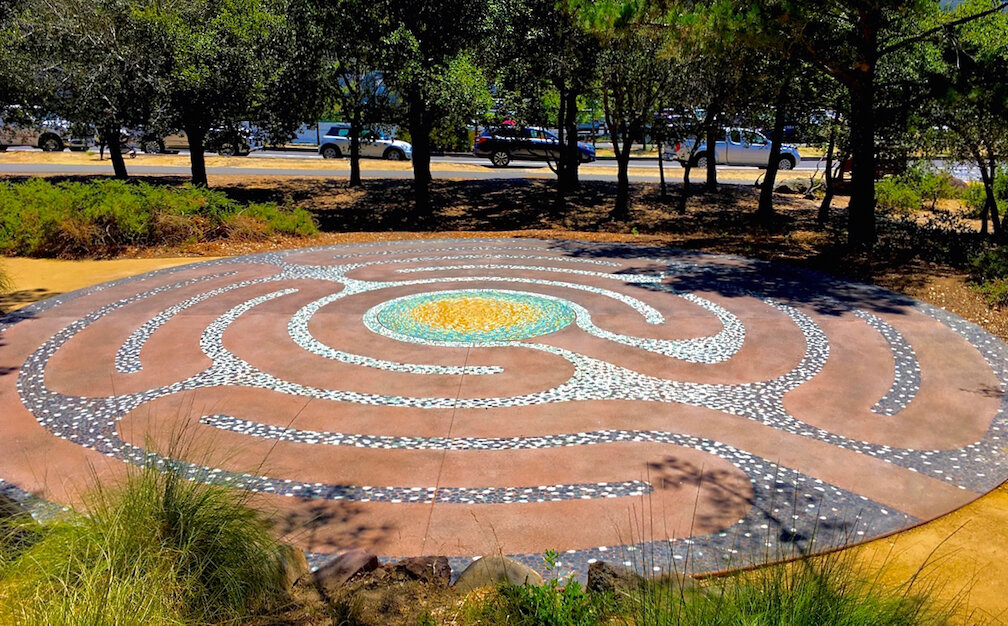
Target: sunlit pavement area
column 463, row 396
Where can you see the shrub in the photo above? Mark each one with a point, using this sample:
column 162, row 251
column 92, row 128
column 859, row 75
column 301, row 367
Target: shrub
column 995, row 292
column 893, row 194
column 38, row 218
column 159, row 550
column 991, row 264
column 919, row 187
column 546, row 605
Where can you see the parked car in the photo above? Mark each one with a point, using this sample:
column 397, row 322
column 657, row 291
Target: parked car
column 734, row 146
column 52, row 134
column 502, row 145
column 238, row 141
column 336, row 144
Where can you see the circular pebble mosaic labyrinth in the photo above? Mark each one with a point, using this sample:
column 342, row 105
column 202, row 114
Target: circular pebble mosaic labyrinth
column 461, row 397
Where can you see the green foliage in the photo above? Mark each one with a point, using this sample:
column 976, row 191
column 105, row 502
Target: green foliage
column 918, row 188
column 38, row 218
column 995, row 292
column 546, row 605
column 991, row 264
column 813, row 592
column 158, row 550
column 810, row 592
column 893, row 194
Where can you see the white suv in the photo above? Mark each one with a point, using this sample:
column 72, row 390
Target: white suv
column 336, row 144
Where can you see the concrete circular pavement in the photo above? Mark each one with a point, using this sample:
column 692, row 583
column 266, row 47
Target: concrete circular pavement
column 606, row 401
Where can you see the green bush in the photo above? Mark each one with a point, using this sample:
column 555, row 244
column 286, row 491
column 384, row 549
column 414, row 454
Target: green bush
column 893, row 194
column 159, row 550
column 546, row 605
column 991, row 264
column 919, row 187
column 38, row 218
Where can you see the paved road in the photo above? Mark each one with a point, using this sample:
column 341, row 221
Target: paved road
column 641, row 169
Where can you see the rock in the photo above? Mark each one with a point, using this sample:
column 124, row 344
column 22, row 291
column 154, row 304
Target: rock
column 491, row 570
column 343, row 568
column 429, row 569
column 790, row 186
column 605, row 577
column 295, row 565
column 616, row 579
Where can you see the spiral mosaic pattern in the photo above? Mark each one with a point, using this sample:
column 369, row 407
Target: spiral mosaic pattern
column 462, row 397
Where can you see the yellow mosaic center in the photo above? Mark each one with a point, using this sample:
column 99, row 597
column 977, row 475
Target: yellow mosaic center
column 466, row 314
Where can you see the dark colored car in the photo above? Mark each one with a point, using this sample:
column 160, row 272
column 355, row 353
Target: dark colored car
column 504, row 145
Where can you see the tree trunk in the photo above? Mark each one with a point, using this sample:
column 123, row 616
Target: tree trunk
column 765, row 210
column 197, row 137
column 419, row 128
column 622, row 209
column 685, row 186
column 355, row 132
column 111, row 137
column 572, row 153
column 995, row 219
column 661, row 172
column 712, row 132
column 861, row 211
column 990, row 201
column 824, row 206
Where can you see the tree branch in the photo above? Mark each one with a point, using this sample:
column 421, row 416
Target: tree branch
column 937, row 29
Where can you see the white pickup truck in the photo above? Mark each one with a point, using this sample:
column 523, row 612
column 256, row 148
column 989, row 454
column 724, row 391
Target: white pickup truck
column 735, row 146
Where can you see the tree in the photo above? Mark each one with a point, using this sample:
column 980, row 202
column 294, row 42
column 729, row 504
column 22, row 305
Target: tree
column 90, row 65
column 543, row 53
column 968, row 89
column 217, row 63
column 351, row 69
column 634, row 77
column 426, row 39
column 852, row 41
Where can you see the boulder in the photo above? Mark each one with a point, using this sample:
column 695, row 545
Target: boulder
column 604, row 577
column 345, row 567
column 494, row 569
column 430, row 570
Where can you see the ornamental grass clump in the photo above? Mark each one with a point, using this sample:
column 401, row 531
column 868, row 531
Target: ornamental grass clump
column 813, row 591
column 160, row 549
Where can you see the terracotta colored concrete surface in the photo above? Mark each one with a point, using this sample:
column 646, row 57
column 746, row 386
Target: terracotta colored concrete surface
column 735, row 410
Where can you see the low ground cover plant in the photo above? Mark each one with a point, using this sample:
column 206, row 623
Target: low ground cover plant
column 101, row 218
column 160, row 549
